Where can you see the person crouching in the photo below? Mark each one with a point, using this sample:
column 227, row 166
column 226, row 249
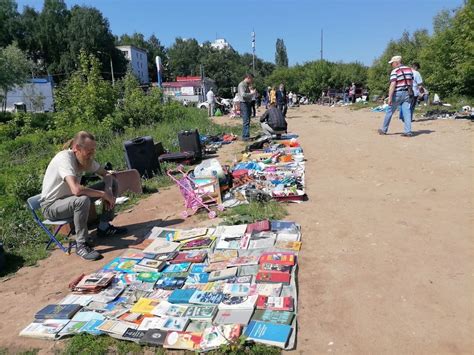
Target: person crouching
column 273, row 122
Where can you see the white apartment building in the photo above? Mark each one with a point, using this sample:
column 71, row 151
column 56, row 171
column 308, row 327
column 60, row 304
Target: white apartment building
column 138, row 61
column 220, row 43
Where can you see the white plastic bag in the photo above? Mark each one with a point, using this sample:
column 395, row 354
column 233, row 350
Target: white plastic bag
column 209, row 167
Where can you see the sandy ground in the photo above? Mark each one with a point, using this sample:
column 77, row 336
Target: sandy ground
column 387, row 259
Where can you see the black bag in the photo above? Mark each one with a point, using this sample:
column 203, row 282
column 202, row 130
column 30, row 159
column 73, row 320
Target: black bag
column 183, row 157
column 140, row 154
column 189, row 141
column 409, row 87
column 259, row 144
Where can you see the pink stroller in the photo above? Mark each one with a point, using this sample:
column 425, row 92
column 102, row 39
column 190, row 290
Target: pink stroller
column 196, row 194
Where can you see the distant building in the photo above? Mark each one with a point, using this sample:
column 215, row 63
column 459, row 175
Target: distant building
column 220, row 43
column 34, row 96
column 189, row 88
column 138, row 62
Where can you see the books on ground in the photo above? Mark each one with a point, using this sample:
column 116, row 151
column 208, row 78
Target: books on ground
column 44, row 329
column 144, row 305
column 280, row 317
column 182, row 340
column 160, row 246
column 155, row 337
column 223, row 274
column 268, row 333
column 238, row 302
column 216, row 336
column 58, row 311
column 233, row 316
column 275, row 303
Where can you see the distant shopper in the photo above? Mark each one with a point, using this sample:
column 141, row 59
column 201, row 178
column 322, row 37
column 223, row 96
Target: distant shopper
column 245, row 99
column 352, row 93
column 273, row 96
column 401, row 81
column 281, row 99
column 63, row 196
column 273, row 121
column 211, row 101
column 266, row 97
column 253, row 103
column 417, row 85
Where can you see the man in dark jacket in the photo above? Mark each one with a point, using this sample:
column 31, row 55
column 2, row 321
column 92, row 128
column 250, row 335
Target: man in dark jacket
column 273, row 121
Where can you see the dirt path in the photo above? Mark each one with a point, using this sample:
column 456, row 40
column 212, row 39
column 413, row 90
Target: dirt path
column 387, row 260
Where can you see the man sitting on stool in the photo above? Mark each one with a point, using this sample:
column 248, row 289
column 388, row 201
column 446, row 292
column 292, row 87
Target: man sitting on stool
column 273, row 121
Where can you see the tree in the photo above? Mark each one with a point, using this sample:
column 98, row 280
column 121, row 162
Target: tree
column 27, row 36
column 184, row 57
column 88, row 30
column 156, row 49
column 8, row 22
column 52, row 26
column 447, row 59
column 14, row 69
column 409, row 47
column 281, row 58
column 226, row 76
column 86, row 97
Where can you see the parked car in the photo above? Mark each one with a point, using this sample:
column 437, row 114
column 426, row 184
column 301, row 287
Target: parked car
column 225, row 105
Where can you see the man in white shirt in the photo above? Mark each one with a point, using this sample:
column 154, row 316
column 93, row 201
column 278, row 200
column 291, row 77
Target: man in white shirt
column 417, row 86
column 64, row 197
column 211, row 101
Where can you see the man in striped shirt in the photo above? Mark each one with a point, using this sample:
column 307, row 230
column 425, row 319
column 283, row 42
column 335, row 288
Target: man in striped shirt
column 401, row 81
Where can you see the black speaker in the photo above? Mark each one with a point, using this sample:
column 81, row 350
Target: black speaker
column 140, row 154
column 189, row 141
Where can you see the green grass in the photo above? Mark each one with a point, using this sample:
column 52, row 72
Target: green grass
column 254, row 211
column 98, row 345
column 88, row 344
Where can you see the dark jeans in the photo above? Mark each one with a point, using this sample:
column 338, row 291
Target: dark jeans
column 245, row 114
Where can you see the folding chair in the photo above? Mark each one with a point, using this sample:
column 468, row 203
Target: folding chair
column 34, row 205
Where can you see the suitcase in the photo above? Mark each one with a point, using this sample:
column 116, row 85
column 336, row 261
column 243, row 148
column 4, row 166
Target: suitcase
column 189, row 141
column 183, row 157
column 140, row 154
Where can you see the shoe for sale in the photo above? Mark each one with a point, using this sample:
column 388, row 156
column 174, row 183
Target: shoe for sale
column 87, row 253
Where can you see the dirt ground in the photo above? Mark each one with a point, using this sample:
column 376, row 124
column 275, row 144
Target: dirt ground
column 387, row 259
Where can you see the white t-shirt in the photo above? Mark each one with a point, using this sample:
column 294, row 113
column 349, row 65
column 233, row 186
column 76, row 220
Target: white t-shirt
column 417, row 80
column 210, row 97
column 54, row 184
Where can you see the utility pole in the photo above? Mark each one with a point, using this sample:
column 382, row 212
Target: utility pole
column 321, row 44
column 112, row 70
column 111, row 66
column 253, row 52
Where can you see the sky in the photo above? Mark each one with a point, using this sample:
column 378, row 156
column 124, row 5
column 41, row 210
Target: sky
column 353, row 30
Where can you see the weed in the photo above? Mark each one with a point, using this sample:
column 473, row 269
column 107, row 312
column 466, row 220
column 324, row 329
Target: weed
column 254, row 211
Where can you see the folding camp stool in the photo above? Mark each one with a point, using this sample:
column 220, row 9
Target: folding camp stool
column 34, row 205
